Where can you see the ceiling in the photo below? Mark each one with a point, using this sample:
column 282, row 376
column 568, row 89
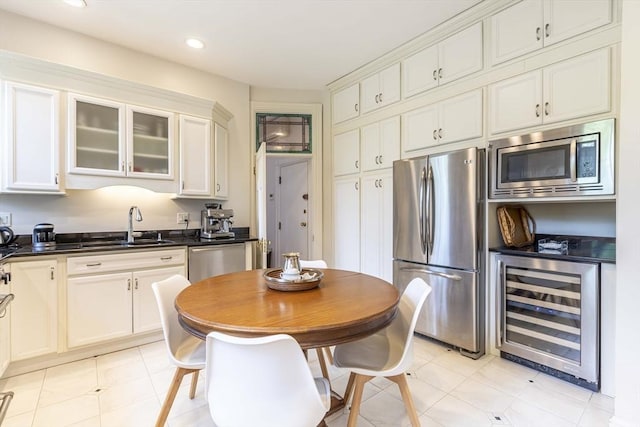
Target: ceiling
column 285, row 44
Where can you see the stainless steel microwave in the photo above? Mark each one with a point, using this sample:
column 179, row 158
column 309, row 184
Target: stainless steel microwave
column 575, row 160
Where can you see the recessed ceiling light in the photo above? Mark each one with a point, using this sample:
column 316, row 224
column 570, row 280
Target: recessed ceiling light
column 76, row 3
column 194, row 43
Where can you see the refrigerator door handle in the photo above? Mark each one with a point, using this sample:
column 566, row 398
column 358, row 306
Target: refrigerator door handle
column 434, row 273
column 430, row 211
column 423, row 209
column 499, row 303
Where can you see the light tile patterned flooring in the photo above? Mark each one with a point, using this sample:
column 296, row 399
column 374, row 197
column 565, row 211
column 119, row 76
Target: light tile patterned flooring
column 126, row 388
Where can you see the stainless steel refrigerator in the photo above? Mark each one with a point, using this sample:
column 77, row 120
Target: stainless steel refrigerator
column 438, row 217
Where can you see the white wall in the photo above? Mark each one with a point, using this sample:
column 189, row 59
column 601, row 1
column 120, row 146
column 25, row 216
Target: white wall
column 627, row 403
column 91, row 211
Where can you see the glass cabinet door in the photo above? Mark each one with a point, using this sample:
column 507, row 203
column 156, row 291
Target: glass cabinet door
column 150, row 136
column 96, row 132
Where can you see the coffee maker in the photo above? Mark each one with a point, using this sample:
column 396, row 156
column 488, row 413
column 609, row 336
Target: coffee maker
column 43, row 237
column 216, row 222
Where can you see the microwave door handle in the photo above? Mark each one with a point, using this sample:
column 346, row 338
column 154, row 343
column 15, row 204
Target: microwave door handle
column 422, row 202
column 430, row 210
column 572, row 164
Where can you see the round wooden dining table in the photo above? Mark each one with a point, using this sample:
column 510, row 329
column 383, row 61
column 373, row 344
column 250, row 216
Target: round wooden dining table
column 345, row 306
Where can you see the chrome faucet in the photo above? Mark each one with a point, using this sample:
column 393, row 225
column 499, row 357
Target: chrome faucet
column 138, row 218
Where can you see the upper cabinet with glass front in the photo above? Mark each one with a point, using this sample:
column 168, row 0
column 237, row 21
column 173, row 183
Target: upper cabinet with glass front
column 113, row 139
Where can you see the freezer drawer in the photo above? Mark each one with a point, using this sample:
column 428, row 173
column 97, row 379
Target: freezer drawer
column 214, row 260
column 454, row 312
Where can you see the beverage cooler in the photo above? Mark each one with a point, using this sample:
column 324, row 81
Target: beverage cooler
column 548, row 316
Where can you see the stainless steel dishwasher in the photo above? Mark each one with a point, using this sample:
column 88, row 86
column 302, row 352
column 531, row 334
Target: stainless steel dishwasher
column 213, row 260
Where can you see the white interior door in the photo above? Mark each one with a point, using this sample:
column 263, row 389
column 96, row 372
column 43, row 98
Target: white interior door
column 261, row 206
column 294, row 209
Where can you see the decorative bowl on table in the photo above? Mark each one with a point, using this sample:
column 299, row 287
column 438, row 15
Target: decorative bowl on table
column 308, row 278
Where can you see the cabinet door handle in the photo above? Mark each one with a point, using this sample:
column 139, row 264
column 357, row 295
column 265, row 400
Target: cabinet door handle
column 377, row 98
column 440, row 133
column 355, row 107
column 128, row 284
column 94, row 264
column 435, row 134
column 356, row 185
column 53, row 269
column 546, row 30
column 130, row 167
column 380, row 97
column 538, row 33
column 537, row 110
column 546, row 108
column 136, row 283
column 122, row 166
column 56, row 179
column 380, row 183
column 357, row 164
column 375, row 183
column 166, row 258
column 435, row 74
column 218, row 187
column 380, row 158
column 439, row 73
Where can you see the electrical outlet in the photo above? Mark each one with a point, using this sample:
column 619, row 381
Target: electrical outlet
column 5, row 218
column 182, row 217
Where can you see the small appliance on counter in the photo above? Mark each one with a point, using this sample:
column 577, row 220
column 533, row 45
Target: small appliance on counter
column 43, row 237
column 216, row 222
column 6, row 236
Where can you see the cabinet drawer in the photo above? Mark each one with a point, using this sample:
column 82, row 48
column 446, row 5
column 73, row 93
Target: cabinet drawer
column 124, row 261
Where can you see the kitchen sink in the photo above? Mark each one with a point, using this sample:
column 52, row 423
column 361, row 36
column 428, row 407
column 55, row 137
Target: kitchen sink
column 102, row 243
column 147, row 242
column 114, row 243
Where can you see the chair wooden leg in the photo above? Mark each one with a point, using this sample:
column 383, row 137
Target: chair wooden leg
column 360, row 381
column 323, row 363
column 401, row 380
column 194, row 384
column 327, row 352
column 349, row 389
column 171, row 394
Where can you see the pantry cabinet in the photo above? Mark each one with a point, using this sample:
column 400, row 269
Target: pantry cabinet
column 380, row 144
column 32, row 140
column 34, row 310
column 533, row 24
column 552, row 94
column 221, row 158
column 346, row 220
column 381, row 89
column 376, row 225
column 109, row 295
column 346, row 153
column 109, row 138
column 195, row 156
column 454, row 119
column 346, row 103
column 449, row 60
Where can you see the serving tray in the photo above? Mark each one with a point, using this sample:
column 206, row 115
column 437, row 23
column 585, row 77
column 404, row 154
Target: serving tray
column 275, row 282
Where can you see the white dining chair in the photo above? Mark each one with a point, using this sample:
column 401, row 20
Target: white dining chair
column 387, row 353
column 262, row 381
column 185, row 351
column 324, row 351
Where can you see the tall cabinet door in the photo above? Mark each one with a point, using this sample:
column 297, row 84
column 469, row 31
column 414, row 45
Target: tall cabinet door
column 34, row 311
column 33, row 138
column 376, row 225
column 346, row 216
column 221, row 159
column 195, row 156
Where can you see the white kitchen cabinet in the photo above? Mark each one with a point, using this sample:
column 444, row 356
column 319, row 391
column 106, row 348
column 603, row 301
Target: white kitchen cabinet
column 34, row 310
column 32, row 139
column 346, row 103
column 454, row 119
column 5, row 325
column 381, row 89
column 346, row 153
column 552, row 94
column 449, row 60
column 108, row 138
column 346, row 220
column 195, row 156
column 380, row 144
column 109, row 295
column 221, row 159
column 376, row 225
column 532, row 24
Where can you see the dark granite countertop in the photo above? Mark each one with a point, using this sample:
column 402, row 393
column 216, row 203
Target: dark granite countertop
column 80, row 243
column 580, row 248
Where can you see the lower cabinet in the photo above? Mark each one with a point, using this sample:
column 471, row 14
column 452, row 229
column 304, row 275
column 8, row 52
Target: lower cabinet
column 34, row 310
column 114, row 304
column 346, row 192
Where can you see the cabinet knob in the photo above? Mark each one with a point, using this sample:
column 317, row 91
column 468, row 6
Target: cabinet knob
column 303, row 224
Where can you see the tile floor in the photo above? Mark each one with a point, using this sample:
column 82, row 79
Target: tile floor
column 126, row 388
